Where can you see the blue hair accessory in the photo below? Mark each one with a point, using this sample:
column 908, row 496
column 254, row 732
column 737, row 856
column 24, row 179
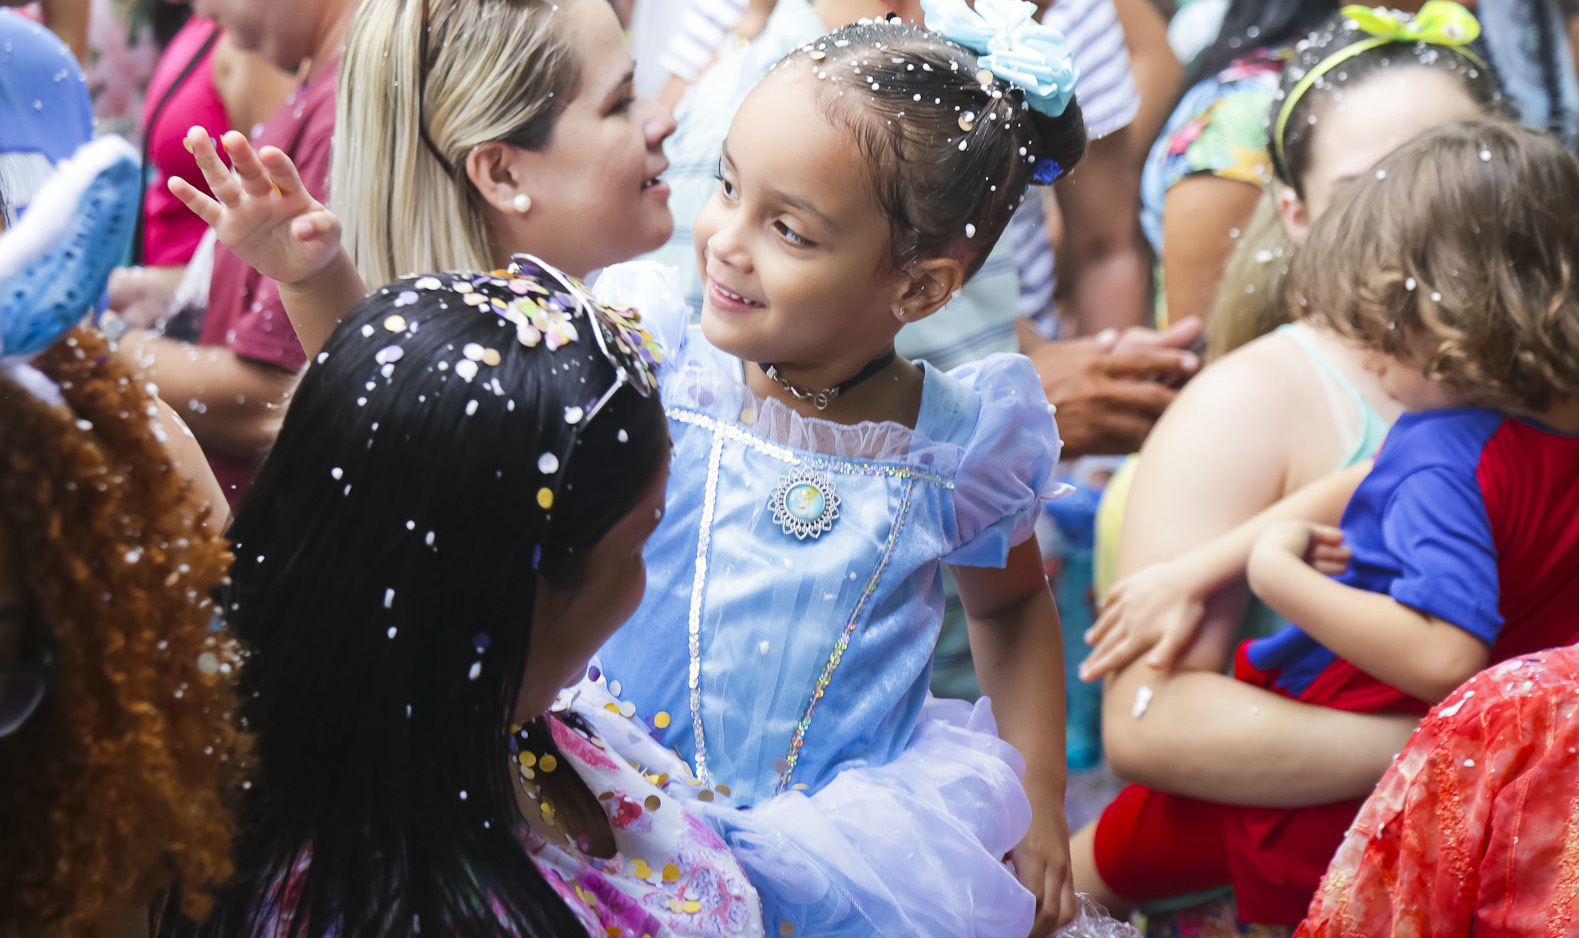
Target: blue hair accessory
column 56, row 261
column 1046, row 171
column 1013, row 46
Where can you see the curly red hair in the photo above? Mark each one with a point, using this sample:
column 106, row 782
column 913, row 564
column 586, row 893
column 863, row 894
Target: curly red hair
column 121, row 784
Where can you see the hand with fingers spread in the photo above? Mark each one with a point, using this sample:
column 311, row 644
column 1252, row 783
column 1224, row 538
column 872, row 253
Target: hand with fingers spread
column 262, row 212
column 1156, row 610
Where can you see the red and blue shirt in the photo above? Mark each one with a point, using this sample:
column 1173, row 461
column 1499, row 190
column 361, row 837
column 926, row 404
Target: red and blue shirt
column 1469, row 515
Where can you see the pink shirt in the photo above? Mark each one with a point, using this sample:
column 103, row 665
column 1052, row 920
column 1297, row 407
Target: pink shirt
column 171, row 231
column 244, row 310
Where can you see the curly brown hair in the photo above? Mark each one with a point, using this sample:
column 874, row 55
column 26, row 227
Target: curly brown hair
column 120, row 785
column 1458, row 256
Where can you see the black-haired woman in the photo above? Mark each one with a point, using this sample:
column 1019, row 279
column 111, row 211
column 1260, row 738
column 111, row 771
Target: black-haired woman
column 450, row 524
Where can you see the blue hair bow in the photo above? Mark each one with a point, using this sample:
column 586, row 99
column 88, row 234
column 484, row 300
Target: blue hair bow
column 1012, row 45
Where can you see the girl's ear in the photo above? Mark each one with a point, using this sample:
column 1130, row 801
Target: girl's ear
column 931, row 283
column 1294, row 213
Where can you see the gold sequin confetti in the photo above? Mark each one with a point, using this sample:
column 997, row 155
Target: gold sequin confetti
column 671, row 873
column 817, row 55
column 786, row 929
column 606, row 795
column 545, row 500
column 675, row 905
column 967, row 120
column 661, row 720
column 395, row 323
column 528, row 759
column 705, row 794
column 613, row 931
column 490, row 356
column 548, row 811
column 984, row 77
column 612, row 707
column 653, row 802
column 722, row 790
column 641, row 869
column 693, row 907
column 548, row 763
column 799, row 786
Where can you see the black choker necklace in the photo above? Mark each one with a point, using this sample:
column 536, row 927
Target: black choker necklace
column 821, row 399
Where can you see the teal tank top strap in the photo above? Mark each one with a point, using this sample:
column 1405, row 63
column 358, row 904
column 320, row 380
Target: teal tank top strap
column 1373, row 429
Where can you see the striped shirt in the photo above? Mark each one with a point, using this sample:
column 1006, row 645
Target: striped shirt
column 700, row 32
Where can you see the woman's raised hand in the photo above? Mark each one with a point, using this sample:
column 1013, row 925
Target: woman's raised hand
column 262, row 212
column 1156, row 610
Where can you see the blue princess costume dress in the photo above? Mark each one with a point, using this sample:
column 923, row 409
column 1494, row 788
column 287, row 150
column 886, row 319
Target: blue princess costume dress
column 783, row 647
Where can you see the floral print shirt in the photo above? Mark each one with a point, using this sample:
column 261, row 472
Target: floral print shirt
column 671, row 875
column 1219, row 128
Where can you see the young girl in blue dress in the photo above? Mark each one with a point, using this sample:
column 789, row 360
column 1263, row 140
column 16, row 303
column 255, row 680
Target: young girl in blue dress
column 820, row 482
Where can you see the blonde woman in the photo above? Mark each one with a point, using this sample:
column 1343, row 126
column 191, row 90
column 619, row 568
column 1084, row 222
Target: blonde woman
column 472, row 129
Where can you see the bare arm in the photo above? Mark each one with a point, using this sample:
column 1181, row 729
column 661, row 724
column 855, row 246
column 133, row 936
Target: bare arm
column 233, row 404
column 1018, row 648
column 1201, row 219
column 187, row 458
column 1209, row 736
column 1217, row 457
column 1157, row 610
column 1420, row 654
column 1099, row 201
column 1157, row 72
column 1225, row 558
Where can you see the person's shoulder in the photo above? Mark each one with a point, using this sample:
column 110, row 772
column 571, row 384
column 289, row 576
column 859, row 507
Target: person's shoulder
column 1255, row 386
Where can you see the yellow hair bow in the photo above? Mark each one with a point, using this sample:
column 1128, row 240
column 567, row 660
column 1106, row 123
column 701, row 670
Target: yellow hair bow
column 1439, row 23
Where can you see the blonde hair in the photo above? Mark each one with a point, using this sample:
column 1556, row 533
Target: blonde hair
column 1249, row 301
column 1458, row 256
column 459, row 73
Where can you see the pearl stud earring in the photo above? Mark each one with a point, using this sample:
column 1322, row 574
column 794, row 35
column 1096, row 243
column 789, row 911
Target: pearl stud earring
column 522, row 203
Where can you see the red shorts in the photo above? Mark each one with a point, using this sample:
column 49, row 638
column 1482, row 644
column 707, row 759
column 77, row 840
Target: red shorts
column 1150, row 845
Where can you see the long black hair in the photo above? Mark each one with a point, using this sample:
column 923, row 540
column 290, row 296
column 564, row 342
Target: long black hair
column 386, row 564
